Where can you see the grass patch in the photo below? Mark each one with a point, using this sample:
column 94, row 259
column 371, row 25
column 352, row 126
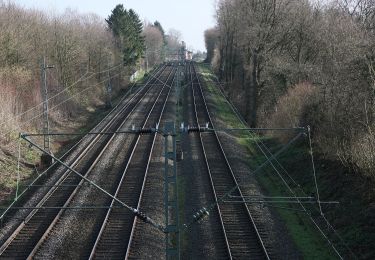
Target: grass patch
column 221, row 107
column 306, row 237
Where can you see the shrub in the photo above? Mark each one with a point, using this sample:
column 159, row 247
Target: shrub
column 291, row 108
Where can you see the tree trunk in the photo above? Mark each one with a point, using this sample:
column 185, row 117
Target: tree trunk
column 253, row 91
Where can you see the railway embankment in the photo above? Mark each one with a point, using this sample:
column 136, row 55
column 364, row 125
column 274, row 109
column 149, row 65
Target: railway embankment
column 348, row 197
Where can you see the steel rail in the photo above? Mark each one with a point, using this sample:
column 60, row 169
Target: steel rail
column 260, row 240
column 84, row 136
column 45, row 235
column 75, row 162
column 206, row 163
column 145, row 178
column 99, row 237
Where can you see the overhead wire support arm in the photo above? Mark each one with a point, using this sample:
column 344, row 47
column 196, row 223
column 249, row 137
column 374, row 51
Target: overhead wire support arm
column 166, row 133
column 171, row 228
column 139, row 214
column 208, row 129
column 200, row 214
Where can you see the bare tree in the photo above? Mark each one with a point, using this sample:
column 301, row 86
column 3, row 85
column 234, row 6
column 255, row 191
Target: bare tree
column 266, row 47
column 154, row 44
column 211, row 38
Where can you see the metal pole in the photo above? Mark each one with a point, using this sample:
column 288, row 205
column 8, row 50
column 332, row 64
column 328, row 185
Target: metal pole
column 109, row 89
column 45, row 159
column 172, row 238
column 178, row 86
column 46, row 145
column 146, row 60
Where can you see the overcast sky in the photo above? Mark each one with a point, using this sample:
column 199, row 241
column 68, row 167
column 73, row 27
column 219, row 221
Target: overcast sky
column 190, row 17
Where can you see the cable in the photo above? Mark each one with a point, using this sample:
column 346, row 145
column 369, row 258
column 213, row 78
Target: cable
column 32, row 108
column 286, row 184
column 64, row 101
column 18, row 167
column 2, row 216
column 318, row 199
column 314, row 172
column 65, row 89
column 320, row 209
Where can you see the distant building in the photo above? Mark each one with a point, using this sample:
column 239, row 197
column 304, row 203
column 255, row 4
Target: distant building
column 182, row 51
column 188, row 55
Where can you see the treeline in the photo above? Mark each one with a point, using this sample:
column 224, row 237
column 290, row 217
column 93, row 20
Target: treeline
column 159, row 45
column 288, row 63
column 87, row 52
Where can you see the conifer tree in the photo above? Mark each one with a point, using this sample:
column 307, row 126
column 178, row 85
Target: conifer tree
column 127, row 28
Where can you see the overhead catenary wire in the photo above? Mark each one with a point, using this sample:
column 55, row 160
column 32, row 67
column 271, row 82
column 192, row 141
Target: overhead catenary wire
column 3, row 214
column 287, row 185
column 135, row 211
column 18, row 168
column 59, row 104
column 319, row 202
column 138, row 213
column 314, row 172
column 82, row 78
column 19, row 142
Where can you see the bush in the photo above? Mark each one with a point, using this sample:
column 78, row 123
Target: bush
column 291, row 108
column 363, row 153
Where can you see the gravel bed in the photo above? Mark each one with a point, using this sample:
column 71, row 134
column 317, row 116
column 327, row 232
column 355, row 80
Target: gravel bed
column 73, row 235
column 204, row 240
column 33, row 197
column 149, row 242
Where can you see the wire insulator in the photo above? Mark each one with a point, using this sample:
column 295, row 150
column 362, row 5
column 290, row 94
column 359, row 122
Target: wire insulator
column 142, row 216
column 200, row 215
column 193, row 129
column 146, row 131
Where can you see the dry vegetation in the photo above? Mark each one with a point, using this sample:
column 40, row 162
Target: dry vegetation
column 293, row 62
column 87, row 51
column 79, row 46
column 82, row 50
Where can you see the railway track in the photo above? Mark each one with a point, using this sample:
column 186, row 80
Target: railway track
column 147, row 242
column 76, row 221
column 45, row 182
column 32, row 233
column 117, row 229
column 211, row 243
column 242, row 237
column 116, row 169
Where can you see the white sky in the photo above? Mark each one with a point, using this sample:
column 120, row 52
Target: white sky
column 190, row 17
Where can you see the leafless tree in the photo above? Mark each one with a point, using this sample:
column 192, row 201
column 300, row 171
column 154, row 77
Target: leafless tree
column 154, row 44
column 266, row 47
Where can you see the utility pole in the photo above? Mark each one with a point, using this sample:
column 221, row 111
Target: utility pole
column 108, row 102
column 45, row 159
column 178, row 84
column 146, row 59
column 172, row 238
